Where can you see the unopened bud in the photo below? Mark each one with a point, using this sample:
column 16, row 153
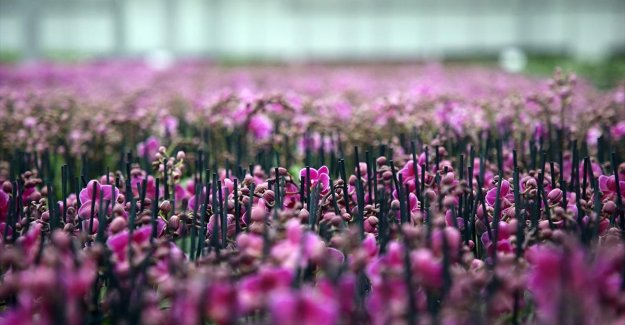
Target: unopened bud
column 165, row 206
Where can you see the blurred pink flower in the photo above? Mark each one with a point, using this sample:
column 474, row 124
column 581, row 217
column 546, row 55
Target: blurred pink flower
column 254, row 290
column 618, row 130
column 261, row 127
column 298, row 248
column 4, row 205
column 170, row 126
column 305, row 307
column 148, row 148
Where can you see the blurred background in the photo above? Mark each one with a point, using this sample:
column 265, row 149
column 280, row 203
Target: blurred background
column 519, row 35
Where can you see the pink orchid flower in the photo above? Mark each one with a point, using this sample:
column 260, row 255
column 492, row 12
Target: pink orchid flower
column 150, row 191
column 408, row 174
column 299, row 247
column 506, row 196
column 607, row 185
column 320, row 176
column 87, row 193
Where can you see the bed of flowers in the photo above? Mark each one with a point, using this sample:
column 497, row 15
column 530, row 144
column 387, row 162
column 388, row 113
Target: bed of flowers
column 309, row 195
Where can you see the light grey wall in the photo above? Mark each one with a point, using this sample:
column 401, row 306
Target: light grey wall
column 300, row 29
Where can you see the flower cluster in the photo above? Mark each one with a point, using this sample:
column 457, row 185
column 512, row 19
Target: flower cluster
column 247, row 207
column 91, row 109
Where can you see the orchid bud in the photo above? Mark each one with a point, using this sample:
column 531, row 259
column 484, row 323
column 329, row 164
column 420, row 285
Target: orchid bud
column 261, row 188
column 258, row 214
column 68, row 228
column 328, row 216
column 531, row 183
column 555, row 196
column 118, row 209
column 61, row 239
column 269, row 196
column 336, row 220
column 45, row 216
column 431, row 195
column 256, row 227
column 558, row 235
column 449, row 201
column 7, row 187
column 448, row 179
column 174, row 222
column 180, row 155
column 165, row 206
column 303, row 215
column 609, row 207
column 621, row 168
column 35, row 196
column 373, row 221
column 559, row 212
column 118, row 224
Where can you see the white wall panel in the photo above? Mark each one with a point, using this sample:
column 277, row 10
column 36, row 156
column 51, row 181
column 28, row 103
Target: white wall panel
column 314, row 29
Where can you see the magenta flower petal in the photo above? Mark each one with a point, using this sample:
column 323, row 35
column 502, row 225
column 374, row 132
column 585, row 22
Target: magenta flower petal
column 87, row 222
column 603, row 183
column 505, row 188
column 414, row 203
column 335, row 255
column 142, row 234
column 491, row 196
column 4, row 205
column 117, row 243
column 86, row 194
column 84, row 212
column 283, row 307
column 324, row 179
column 313, row 174
column 109, row 192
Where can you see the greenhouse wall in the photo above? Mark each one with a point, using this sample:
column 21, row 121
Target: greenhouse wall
column 301, row 29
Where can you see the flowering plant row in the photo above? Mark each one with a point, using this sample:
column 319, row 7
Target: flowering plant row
column 102, row 110
column 494, row 199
